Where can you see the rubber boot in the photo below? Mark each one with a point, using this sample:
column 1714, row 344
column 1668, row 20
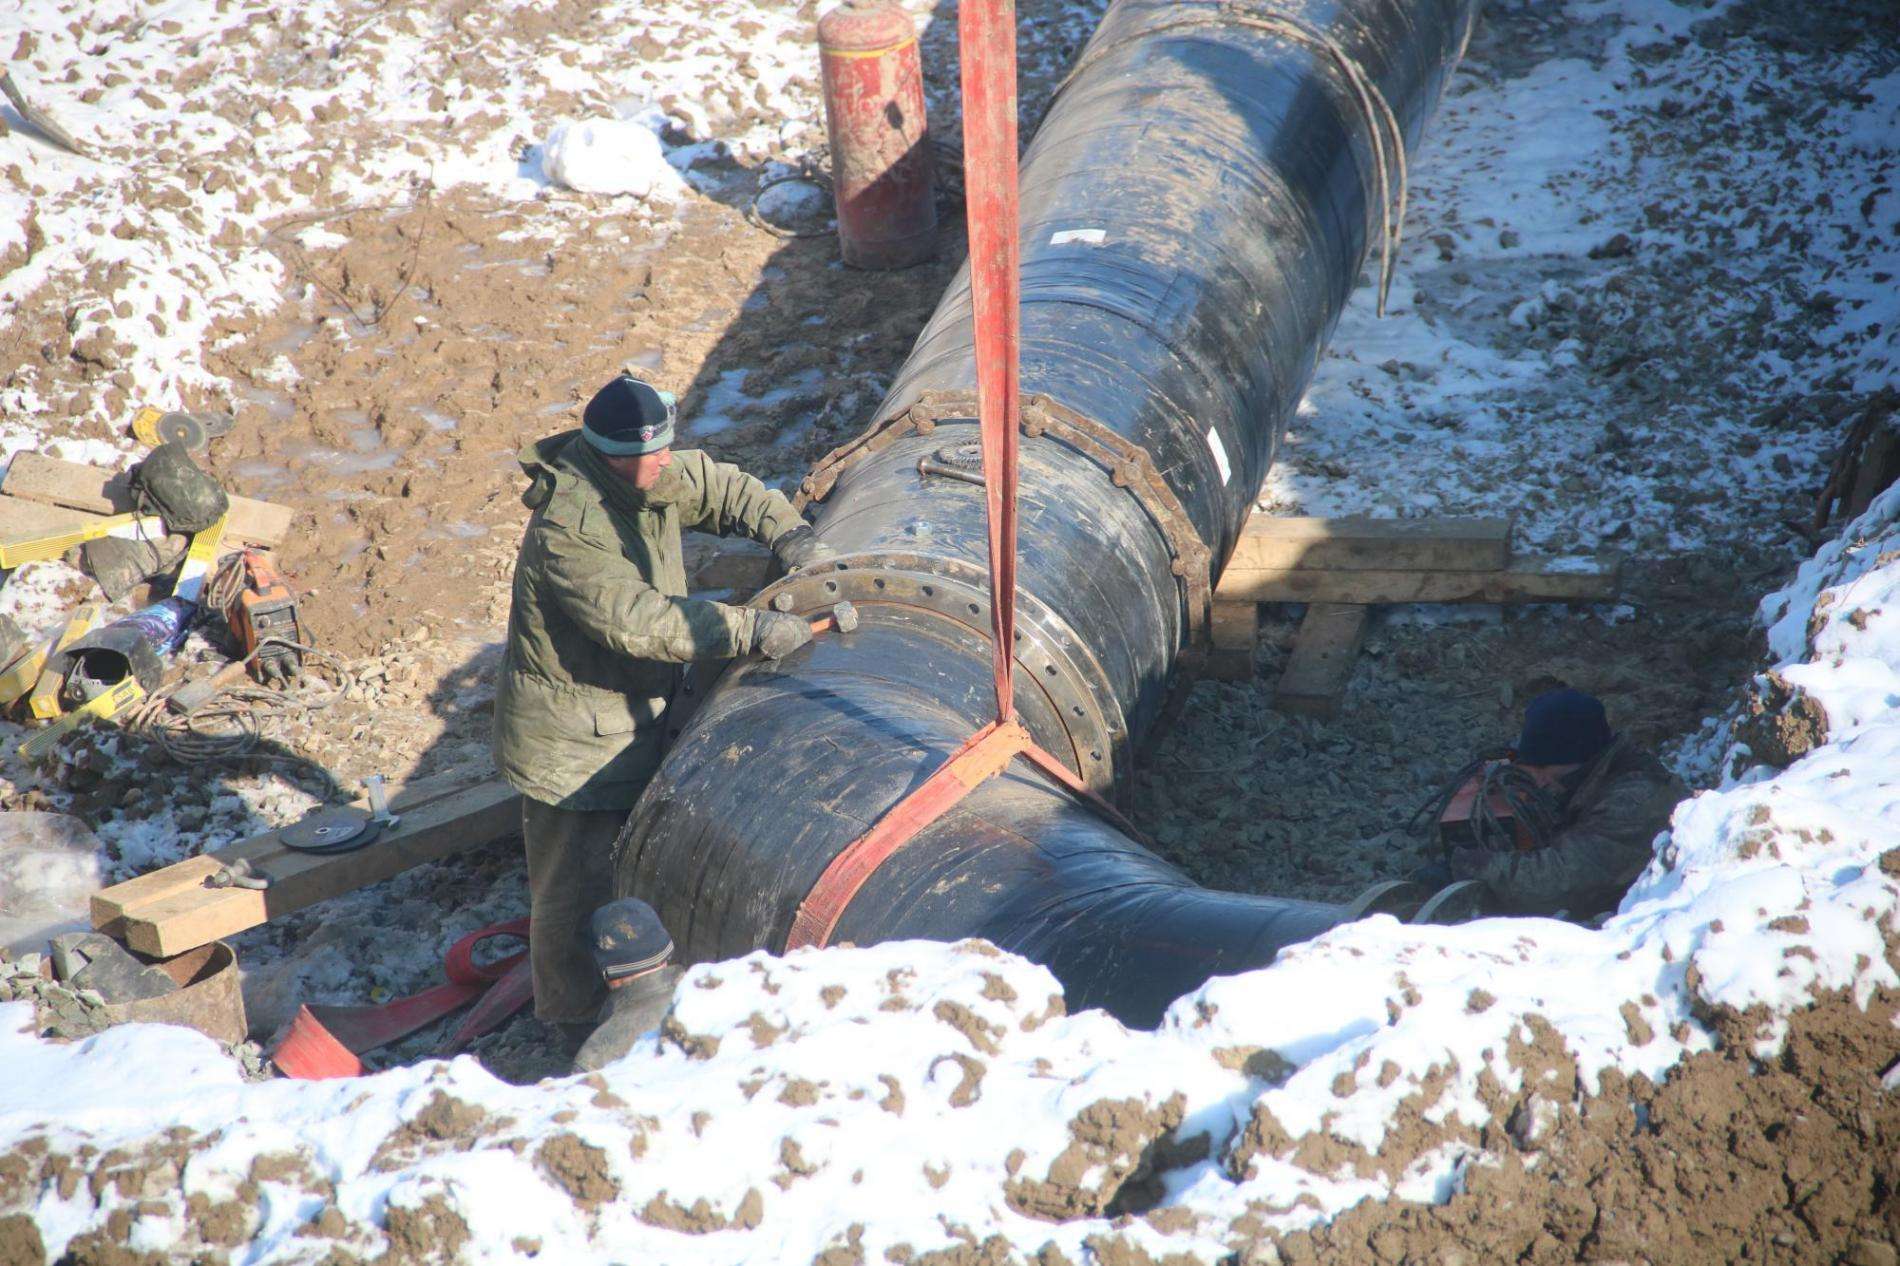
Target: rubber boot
column 633, row 1009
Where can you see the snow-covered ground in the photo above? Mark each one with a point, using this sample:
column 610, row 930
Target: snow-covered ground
column 1692, row 287
column 848, row 1105
column 207, row 125
column 922, row 1095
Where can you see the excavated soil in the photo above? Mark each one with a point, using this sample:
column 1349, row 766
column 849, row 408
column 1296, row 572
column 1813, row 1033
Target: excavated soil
column 446, row 333
column 1727, row 1160
column 438, row 342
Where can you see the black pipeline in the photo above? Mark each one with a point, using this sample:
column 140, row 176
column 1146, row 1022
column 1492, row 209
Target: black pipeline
column 1196, row 207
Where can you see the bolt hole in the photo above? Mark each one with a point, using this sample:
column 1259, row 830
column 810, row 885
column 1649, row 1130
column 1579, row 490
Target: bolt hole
column 878, row 583
column 929, row 591
column 974, row 608
column 831, row 586
column 1076, row 708
column 1050, row 669
column 1095, row 756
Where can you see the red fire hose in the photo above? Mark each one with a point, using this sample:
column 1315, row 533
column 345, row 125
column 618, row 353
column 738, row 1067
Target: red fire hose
column 326, row 1041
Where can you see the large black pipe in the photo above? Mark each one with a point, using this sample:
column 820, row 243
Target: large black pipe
column 1197, row 206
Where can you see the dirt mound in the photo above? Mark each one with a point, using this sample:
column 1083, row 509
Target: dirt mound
column 1729, row 1159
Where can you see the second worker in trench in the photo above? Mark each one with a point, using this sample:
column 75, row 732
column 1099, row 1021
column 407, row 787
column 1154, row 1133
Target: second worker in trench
column 599, row 628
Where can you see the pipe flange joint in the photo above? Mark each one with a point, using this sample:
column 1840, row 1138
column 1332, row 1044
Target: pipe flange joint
column 1048, row 652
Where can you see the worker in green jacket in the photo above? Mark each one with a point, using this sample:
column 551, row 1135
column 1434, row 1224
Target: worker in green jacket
column 599, row 628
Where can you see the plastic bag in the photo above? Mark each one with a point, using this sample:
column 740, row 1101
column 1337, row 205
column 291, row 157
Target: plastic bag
column 49, row 869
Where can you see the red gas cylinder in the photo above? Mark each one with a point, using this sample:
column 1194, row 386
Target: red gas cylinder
column 881, row 173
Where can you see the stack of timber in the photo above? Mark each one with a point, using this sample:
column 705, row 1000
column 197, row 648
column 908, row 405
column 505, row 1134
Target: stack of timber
column 1343, row 567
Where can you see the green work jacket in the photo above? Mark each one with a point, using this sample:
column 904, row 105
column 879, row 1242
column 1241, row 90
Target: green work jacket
column 601, row 623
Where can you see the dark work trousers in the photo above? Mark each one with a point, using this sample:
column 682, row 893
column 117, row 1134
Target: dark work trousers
column 570, row 875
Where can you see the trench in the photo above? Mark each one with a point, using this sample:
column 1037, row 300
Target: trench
column 1236, row 795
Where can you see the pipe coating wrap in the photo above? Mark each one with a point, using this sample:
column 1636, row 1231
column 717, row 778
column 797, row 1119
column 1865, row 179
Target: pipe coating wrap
column 1196, row 208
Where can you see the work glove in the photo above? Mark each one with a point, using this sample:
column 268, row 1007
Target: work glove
column 800, row 547
column 776, row 634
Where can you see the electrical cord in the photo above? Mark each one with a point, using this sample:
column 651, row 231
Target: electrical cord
column 1527, row 807
column 230, row 726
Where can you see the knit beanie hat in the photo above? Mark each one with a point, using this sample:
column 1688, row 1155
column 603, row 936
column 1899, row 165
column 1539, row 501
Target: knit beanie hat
column 1563, row 727
column 629, row 418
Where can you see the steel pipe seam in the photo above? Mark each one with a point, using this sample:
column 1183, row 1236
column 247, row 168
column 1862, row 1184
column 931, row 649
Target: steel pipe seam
column 1049, row 655
column 1196, row 210
column 1088, row 551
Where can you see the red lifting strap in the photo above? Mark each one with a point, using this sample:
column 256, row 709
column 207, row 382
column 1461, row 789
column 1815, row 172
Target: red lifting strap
column 987, row 45
column 324, row 1041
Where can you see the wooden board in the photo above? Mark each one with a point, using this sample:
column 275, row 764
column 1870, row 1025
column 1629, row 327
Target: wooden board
column 1357, row 544
column 170, row 911
column 37, row 477
column 30, row 520
column 1323, row 656
column 1525, row 580
column 1233, row 629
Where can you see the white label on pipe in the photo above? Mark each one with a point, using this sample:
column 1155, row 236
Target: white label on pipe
column 1219, row 450
column 1094, row 237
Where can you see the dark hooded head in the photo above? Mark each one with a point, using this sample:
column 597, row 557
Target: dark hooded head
column 1563, row 727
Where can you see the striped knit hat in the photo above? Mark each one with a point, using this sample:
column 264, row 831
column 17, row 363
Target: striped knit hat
column 629, row 418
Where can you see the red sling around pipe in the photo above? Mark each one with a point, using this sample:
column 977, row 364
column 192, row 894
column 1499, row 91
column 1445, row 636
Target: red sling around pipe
column 986, row 33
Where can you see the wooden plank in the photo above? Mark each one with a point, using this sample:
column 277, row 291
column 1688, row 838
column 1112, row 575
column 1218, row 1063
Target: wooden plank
column 1525, row 580
column 1276, row 543
column 40, row 547
column 1324, row 653
column 37, row 477
column 1233, row 630
column 30, row 520
column 110, row 905
column 184, row 917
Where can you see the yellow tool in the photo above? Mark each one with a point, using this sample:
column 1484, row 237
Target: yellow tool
column 24, row 675
column 195, row 431
column 145, row 426
column 102, row 707
column 37, row 549
column 199, row 560
column 43, row 703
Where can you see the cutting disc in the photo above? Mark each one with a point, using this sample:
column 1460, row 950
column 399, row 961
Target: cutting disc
column 194, row 430
column 336, row 830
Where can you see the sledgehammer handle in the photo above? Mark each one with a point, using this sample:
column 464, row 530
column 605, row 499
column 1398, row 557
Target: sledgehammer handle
column 842, row 618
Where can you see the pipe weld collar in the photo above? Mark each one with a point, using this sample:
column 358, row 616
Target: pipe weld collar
column 1048, row 653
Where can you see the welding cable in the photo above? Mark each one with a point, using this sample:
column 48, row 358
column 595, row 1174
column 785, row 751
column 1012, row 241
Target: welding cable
column 1381, row 123
column 222, row 587
column 1529, row 805
column 757, row 217
column 230, row 727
